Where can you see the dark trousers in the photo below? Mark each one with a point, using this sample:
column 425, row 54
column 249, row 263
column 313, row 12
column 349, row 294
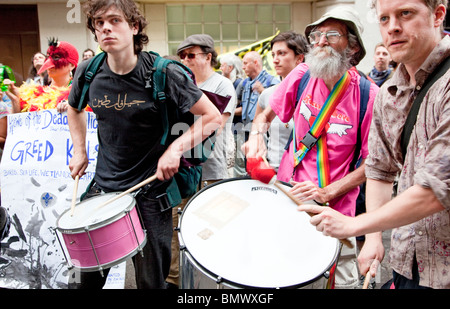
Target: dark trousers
column 151, row 269
column 401, row 282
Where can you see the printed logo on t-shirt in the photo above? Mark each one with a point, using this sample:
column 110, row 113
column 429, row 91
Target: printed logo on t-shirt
column 119, row 104
column 306, row 107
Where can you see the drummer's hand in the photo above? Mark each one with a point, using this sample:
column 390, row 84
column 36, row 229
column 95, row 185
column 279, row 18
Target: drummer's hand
column 255, row 147
column 169, row 163
column 307, row 191
column 371, row 255
column 78, row 164
column 329, row 221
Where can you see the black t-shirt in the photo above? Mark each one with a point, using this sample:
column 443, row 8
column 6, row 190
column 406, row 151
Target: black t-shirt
column 129, row 121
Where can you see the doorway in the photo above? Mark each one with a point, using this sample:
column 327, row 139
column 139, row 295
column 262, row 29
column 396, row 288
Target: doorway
column 19, row 38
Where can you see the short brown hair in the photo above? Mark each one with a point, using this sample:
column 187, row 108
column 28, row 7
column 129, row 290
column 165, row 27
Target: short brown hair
column 129, row 10
column 294, row 41
column 432, row 4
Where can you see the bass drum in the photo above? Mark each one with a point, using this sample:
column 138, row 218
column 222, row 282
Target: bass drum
column 242, row 233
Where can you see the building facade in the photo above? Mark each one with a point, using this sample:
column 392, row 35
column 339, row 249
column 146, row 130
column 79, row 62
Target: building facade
column 26, row 25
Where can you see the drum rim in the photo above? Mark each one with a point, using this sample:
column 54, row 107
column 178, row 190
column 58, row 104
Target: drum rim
column 223, row 280
column 228, row 281
column 99, row 224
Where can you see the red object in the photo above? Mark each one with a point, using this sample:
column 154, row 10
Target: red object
column 60, row 54
column 260, row 170
column 253, row 163
column 265, row 175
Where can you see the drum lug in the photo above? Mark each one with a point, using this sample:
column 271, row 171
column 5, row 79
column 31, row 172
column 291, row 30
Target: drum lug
column 218, row 282
column 327, row 274
column 62, row 249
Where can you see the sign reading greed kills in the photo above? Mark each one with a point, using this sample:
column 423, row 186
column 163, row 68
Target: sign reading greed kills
column 36, row 188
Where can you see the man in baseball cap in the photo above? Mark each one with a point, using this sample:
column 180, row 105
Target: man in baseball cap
column 202, row 40
column 197, row 52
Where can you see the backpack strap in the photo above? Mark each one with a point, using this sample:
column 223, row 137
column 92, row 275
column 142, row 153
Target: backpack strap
column 364, row 91
column 89, row 74
column 157, row 79
column 412, row 116
column 301, row 87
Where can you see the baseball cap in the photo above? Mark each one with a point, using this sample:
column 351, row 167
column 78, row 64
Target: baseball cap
column 59, row 55
column 196, row 40
column 351, row 18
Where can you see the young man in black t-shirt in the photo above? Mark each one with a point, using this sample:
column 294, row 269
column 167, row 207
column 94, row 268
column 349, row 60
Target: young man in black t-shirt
column 130, row 129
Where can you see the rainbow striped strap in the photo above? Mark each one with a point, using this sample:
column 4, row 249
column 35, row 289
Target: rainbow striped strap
column 313, row 137
column 323, row 167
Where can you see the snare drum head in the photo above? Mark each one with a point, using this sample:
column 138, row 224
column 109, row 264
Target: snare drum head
column 251, row 234
column 88, row 212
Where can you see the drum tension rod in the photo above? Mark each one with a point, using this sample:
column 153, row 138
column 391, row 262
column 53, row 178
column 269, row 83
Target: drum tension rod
column 100, row 268
column 69, row 265
column 135, row 234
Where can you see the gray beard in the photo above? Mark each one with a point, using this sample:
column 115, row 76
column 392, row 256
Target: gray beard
column 326, row 63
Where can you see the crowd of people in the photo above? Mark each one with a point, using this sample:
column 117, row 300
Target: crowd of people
column 333, row 132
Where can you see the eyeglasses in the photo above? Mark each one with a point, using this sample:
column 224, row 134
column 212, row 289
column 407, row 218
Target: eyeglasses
column 190, row 55
column 332, row 36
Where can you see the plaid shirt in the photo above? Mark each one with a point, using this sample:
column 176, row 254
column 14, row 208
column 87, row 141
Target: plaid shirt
column 427, row 164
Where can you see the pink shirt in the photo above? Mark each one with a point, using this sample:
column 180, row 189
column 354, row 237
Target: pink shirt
column 342, row 130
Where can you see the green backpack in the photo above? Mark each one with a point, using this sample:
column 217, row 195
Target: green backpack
column 186, row 182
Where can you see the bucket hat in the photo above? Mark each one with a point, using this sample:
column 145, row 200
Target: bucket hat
column 351, row 18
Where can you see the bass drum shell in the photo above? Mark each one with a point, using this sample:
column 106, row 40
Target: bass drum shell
column 241, row 233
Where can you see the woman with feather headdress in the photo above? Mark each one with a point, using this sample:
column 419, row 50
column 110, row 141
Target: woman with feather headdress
column 61, row 63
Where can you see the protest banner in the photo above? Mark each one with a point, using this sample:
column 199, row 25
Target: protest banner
column 263, row 48
column 36, row 188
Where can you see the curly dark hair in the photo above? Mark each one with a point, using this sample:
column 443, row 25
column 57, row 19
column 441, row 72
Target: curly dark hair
column 129, row 9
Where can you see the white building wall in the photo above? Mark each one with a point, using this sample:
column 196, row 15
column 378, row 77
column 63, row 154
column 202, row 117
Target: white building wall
column 62, row 19
column 65, row 23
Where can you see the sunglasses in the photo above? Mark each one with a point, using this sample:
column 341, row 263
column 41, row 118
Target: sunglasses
column 190, row 55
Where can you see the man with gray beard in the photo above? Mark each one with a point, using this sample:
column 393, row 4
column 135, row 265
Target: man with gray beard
column 318, row 162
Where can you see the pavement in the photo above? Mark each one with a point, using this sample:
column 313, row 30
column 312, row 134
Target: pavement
column 385, row 272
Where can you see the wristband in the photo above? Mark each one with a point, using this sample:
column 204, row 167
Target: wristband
column 255, row 132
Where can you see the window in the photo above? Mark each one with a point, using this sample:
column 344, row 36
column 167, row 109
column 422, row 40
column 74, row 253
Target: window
column 232, row 26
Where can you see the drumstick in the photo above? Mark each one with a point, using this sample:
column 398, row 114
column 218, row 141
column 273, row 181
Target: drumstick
column 139, row 185
column 268, row 176
column 367, row 280
column 74, row 196
column 295, row 200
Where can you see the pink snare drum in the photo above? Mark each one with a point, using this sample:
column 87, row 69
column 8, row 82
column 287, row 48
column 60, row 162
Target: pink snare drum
column 101, row 237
